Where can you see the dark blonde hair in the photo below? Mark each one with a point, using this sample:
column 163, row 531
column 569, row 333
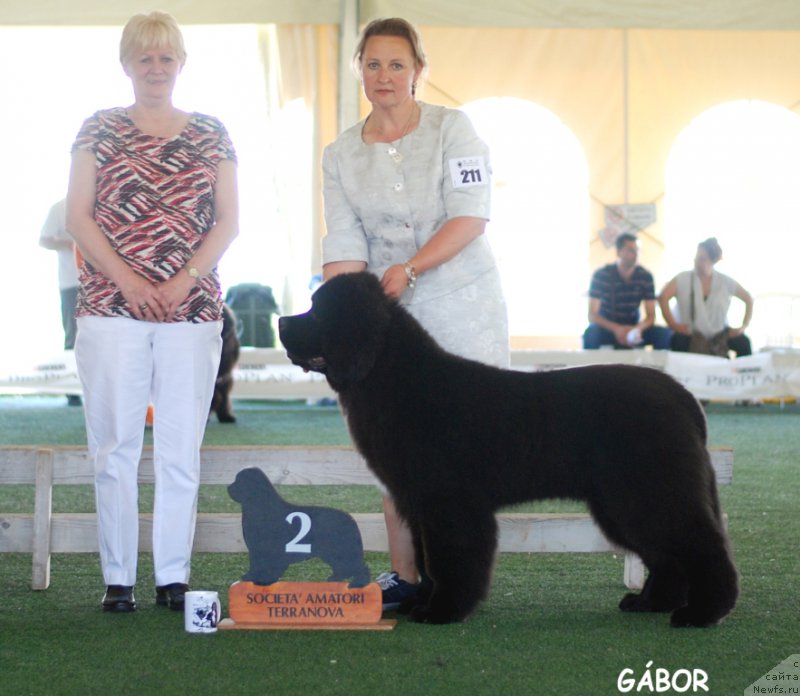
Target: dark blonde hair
column 156, row 30
column 712, row 248
column 393, row 26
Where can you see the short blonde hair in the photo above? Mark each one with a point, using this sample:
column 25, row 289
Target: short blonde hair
column 144, row 32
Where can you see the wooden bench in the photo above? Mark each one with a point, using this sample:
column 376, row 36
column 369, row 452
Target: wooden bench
column 44, row 532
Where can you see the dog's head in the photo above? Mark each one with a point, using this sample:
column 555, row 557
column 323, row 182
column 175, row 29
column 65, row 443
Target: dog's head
column 248, row 483
column 342, row 334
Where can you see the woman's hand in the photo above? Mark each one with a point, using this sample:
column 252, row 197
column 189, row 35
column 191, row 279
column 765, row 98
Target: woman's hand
column 684, row 329
column 146, row 300
column 174, row 291
column 395, row 281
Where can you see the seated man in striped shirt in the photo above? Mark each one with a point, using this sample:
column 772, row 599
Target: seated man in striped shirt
column 616, row 293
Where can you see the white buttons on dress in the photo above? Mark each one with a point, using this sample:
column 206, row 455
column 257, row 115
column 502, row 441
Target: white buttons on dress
column 398, row 187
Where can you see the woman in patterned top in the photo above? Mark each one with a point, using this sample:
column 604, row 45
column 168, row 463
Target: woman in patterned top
column 407, row 195
column 152, row 205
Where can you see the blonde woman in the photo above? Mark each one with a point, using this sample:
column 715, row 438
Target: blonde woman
column 152, row 205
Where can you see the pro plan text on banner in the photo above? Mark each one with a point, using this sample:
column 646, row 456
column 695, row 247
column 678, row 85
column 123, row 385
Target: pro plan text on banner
column 752, row 377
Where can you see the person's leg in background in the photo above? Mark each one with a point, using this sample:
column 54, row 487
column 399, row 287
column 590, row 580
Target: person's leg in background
column 657, row 336
column 740, row 345
column 679, row 342
column 69, row 299
column 596, row 336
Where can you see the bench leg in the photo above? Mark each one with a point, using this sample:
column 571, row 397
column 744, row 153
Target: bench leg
column 42, row 512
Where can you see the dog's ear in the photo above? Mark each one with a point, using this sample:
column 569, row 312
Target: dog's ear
column 355, row 315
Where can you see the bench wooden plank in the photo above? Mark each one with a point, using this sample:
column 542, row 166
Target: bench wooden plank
column 76, row 532
column 44, row 533
column 319, row 466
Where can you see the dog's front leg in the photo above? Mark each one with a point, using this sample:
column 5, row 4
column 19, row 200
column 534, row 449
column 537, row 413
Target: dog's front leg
column 459, row 550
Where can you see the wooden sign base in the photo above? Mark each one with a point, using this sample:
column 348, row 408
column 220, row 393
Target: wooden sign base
column 305, row 606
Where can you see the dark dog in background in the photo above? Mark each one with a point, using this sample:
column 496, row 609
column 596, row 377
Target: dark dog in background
column 221, row 401
column 454, row 440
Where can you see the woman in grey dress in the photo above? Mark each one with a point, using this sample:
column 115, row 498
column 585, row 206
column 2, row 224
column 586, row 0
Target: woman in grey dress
column 407, row 193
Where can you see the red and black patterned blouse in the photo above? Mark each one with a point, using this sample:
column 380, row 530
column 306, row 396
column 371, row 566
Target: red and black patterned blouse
column 155, row 203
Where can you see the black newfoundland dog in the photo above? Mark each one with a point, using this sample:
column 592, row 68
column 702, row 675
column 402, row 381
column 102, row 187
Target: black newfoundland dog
column 454, row 440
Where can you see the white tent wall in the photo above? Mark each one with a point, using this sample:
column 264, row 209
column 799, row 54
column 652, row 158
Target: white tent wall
column 626, row 76
column 626, row 94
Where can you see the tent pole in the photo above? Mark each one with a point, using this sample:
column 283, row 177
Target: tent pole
column 348, row 86
column 625, row 104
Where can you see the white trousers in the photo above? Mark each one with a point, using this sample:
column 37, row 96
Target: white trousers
column 124, row 365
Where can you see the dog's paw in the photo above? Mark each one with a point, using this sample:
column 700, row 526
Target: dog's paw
column 634, row 602
column 686, row 617
column 424, row 613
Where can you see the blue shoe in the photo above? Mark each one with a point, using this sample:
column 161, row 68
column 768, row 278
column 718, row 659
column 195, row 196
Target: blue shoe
column 395, row 591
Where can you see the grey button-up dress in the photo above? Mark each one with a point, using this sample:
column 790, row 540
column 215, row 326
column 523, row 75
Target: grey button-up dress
column 384, row 201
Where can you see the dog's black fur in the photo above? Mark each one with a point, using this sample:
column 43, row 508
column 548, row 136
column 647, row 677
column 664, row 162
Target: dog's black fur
column 333, row 536
column 454, row 440
column 221, row 400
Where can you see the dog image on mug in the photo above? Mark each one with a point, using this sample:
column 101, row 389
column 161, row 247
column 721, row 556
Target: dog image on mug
column 202, row 612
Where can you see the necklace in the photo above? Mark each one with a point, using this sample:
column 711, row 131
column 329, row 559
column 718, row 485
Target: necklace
column 414, row 110
column 410, row 120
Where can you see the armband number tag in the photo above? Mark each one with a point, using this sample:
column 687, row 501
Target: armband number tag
column 468, row 171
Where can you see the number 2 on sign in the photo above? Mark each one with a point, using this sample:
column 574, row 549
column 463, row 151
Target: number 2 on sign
column 305, row 527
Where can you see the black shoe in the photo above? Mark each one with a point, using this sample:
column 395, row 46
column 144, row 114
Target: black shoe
column 172, row 595
column 119, row 598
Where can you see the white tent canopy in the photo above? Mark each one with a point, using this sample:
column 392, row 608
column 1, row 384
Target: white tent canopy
column 779, row 15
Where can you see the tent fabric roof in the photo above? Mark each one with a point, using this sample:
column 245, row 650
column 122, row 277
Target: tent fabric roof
column 661, row 14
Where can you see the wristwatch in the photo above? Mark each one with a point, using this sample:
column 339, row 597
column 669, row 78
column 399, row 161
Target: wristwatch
column 192, row 271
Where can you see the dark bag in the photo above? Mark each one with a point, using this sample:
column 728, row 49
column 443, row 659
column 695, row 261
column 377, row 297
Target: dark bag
column 716, row 345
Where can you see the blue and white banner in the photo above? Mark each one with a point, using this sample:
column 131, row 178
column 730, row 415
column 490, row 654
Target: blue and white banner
column 266, row 373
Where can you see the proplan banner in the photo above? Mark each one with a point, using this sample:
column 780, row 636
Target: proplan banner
column 266, row 373
column 761, row 376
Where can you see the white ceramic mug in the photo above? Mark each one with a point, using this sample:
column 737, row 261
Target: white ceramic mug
column 201, row 611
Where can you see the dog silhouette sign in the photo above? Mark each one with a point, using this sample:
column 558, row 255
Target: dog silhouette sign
column 278, row 534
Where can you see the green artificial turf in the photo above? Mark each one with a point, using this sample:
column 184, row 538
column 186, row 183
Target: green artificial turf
column 549, row 626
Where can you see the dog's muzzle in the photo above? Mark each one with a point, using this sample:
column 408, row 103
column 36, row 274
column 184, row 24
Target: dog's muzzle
column 317, row 364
